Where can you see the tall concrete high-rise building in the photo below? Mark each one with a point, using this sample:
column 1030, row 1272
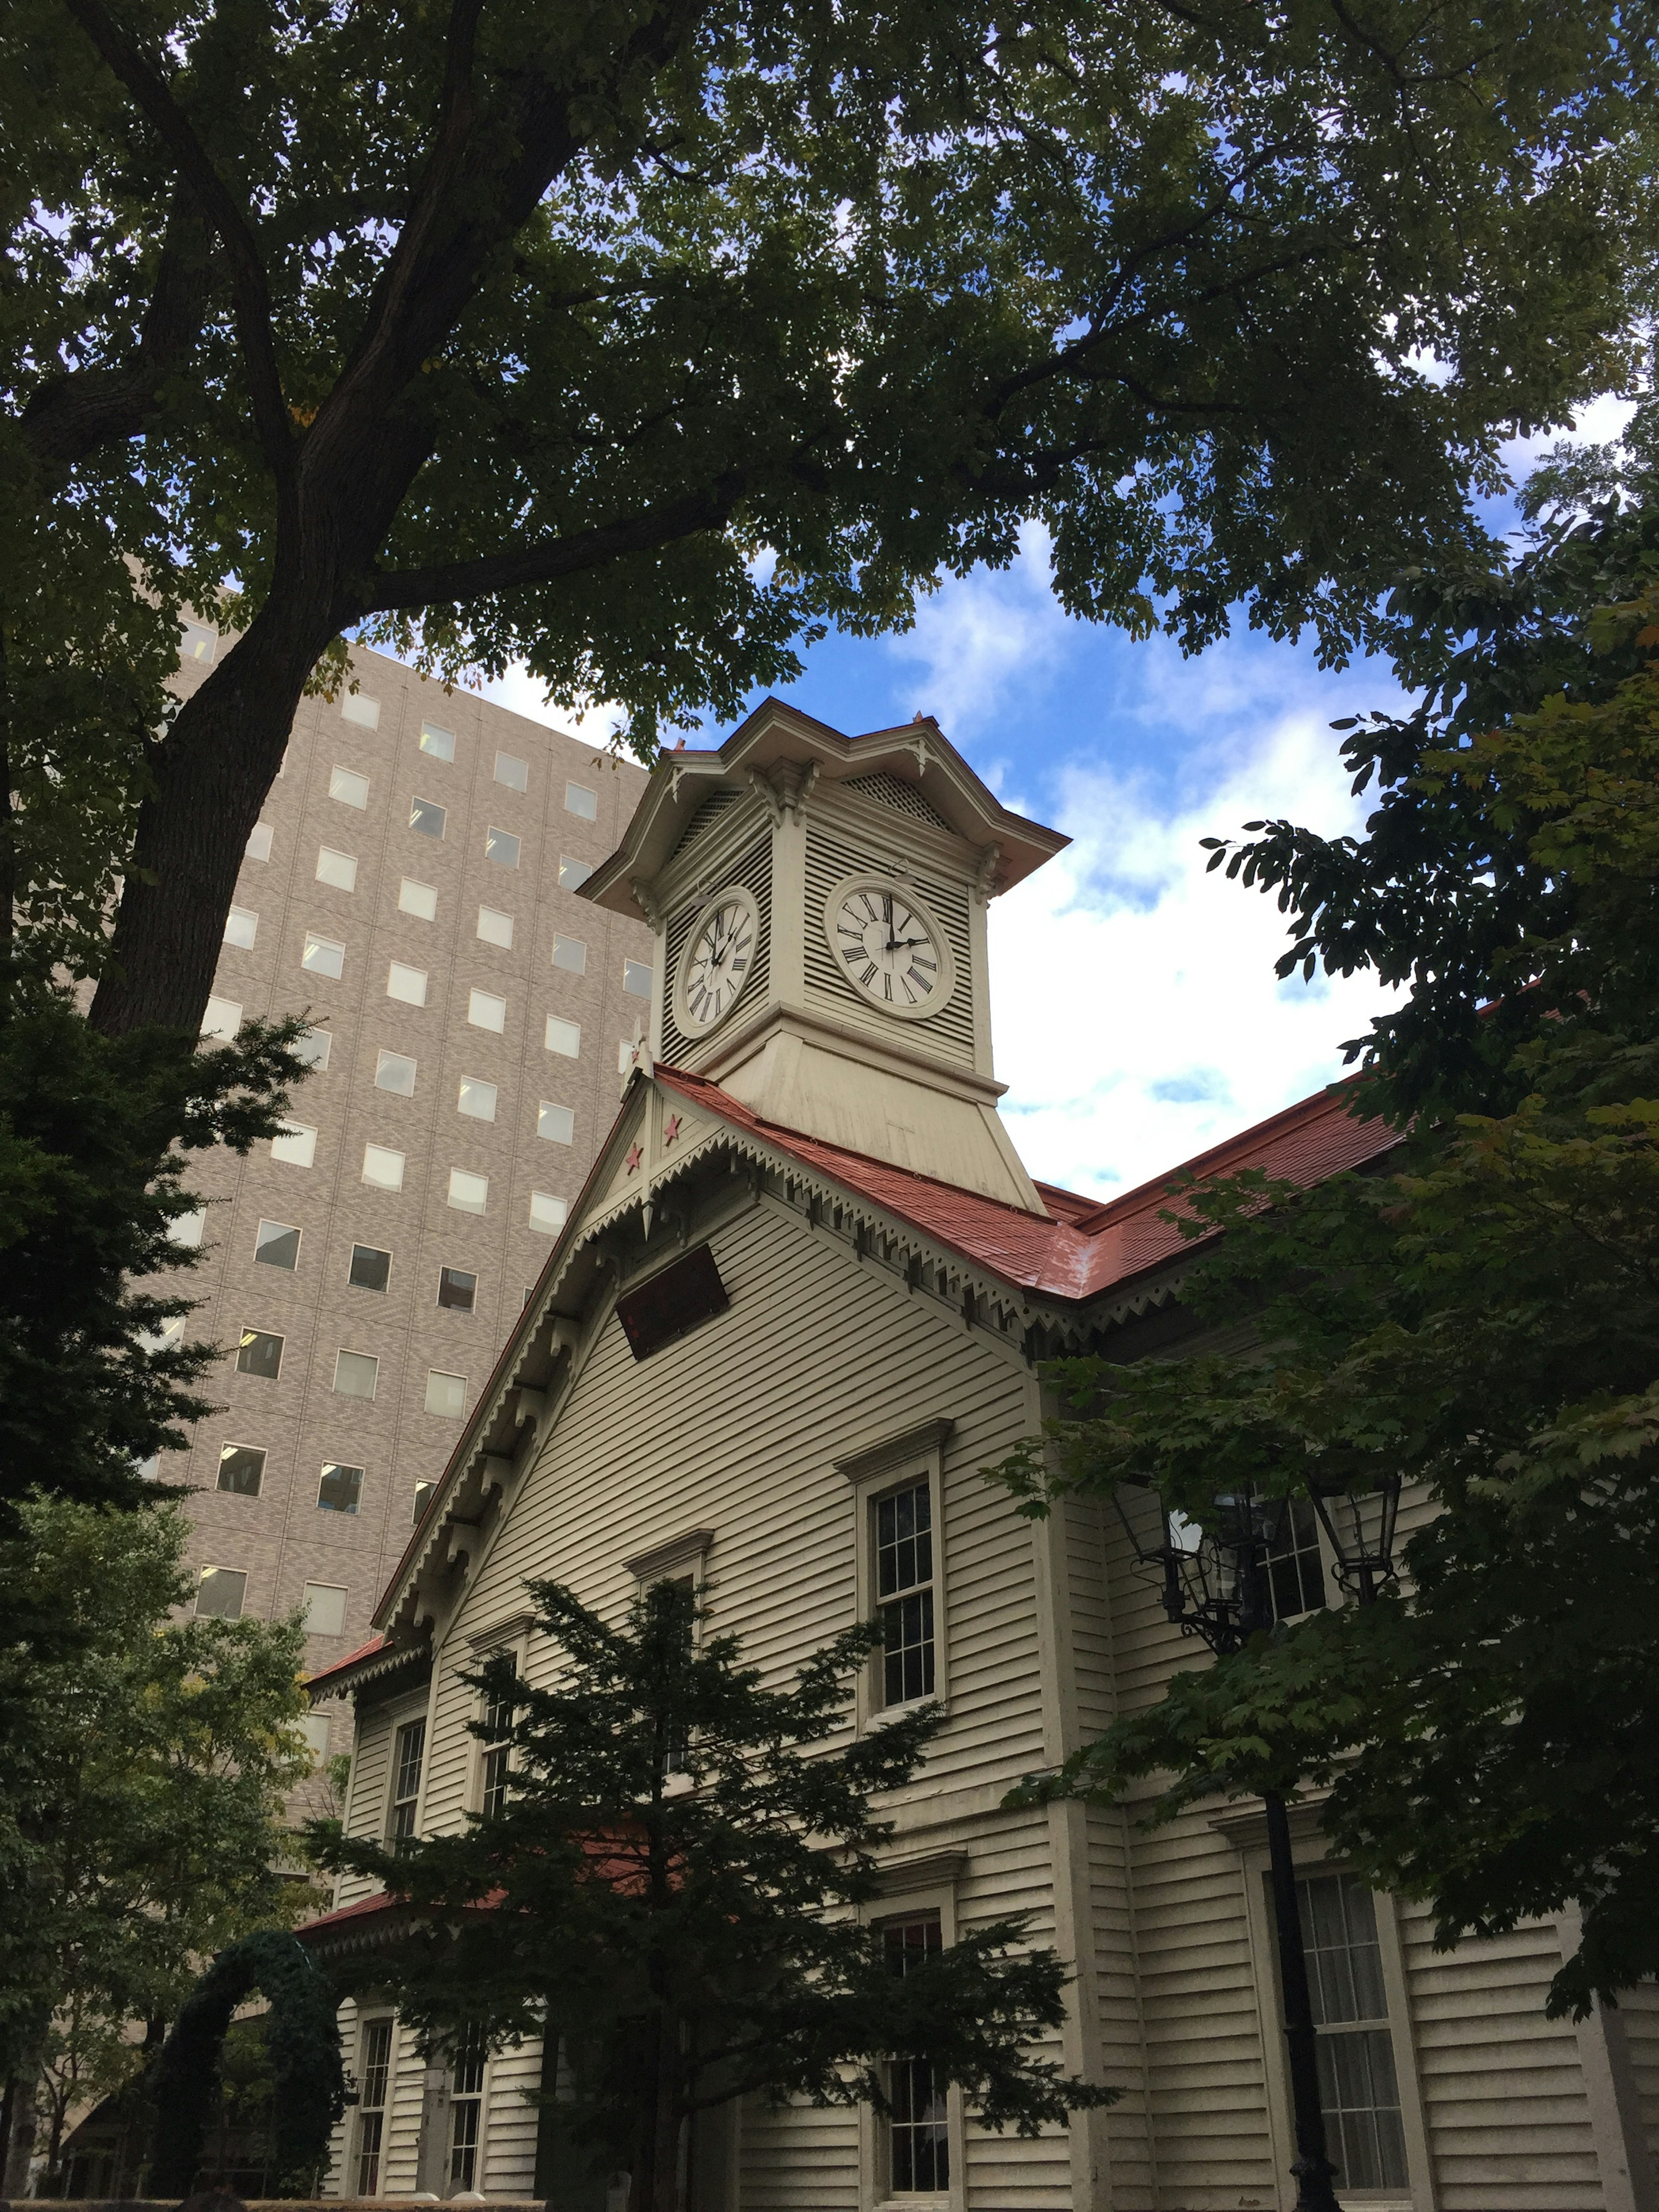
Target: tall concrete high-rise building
column 410, row 883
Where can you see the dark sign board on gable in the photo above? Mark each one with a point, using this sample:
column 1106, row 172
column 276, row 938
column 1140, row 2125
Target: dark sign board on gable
column 671, row 1304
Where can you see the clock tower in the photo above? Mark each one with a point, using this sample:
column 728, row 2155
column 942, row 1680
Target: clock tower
column 819, row 903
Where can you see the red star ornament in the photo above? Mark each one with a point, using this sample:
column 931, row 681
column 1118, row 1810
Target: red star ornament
column 635, row 1156
column 670, row 1128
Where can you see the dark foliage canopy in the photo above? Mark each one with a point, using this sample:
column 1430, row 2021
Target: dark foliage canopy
column 95, row 1135
column 639, row 342
column 1479, row 1315
column 303, row 2045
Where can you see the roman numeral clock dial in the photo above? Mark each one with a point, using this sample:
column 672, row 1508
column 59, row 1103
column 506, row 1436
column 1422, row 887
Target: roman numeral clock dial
column 720, row 953
column 890, row 946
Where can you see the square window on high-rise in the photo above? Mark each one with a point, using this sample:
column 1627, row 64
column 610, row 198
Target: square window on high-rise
column 222, row 1018
column 198, row 642
column 383, row 1168
column 408, row 984
column 370, row 1269
column 501, row 846
column 259, row 1352
column 511, row 771
column 339, row 869
column 446, row 1394
column 563, row 1037
column 549, row 1215
column 476, row 1098
column 324, row 1608
column 456, row 1289
column 570, row 954
column 395, row 1072
column 426, row 815
column 636, row 978
column 437, row 741
column 322, row 955
column 313, row 1047
column 486, row 1012
column 220, row 1592
column 556, row 1123
column 241, row 1469
column 339, row 1489
column 356, row 1374
column 261, row 838
column 185, row 1230
column 580, row 800
column 357, row 706
column 494, row 927
column 573, row 873
column 297, row 1145
column 276, row 1245
column 468, row 1193
column 346, row 785
column 420, row 899
column 241, row 927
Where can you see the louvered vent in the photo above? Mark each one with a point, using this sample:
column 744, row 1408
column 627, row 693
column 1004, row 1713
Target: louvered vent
column 706, row 816
column 753, row 870
column 893, row 790
column 828, row 859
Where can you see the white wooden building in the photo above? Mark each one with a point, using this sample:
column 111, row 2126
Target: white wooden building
column 808, row 1281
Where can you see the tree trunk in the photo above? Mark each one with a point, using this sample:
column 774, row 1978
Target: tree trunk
column 218, row 761
column 19, row 2151
column 655, row 2184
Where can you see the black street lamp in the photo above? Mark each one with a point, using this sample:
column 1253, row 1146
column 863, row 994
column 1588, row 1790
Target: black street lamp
column 1216, row 1587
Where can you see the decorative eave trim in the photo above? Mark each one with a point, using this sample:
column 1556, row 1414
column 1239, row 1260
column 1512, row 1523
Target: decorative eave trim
column 395, row 1659
column 662, row 1559
column 926, row 1437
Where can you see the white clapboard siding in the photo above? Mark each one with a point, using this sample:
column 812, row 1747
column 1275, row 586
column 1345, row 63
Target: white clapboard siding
column 1503, row 2093
column 1202, row 2018
column 405, row 2100
column 371, row 1759
column 736, row 1429
column 798, row 2158
column 509, row 2145
column 1115, row 1994
column 1640, row 2010
column 334, row 2181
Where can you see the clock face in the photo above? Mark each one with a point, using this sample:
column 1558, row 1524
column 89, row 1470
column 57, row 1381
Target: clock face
column 715, row 965
column 890, row 946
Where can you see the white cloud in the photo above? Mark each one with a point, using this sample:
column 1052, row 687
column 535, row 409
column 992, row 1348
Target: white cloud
column 978, row 638
column 1138, row 1017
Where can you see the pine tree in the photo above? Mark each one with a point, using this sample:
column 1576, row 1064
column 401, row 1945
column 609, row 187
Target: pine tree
column 674, row 1890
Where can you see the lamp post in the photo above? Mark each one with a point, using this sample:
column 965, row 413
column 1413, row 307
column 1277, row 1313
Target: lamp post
column 1216, row 1587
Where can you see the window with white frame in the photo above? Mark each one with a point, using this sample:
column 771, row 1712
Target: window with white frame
column 408, row 1757
column 467, row 2083
column 903, row 1532
column 1358, row 2087
column 916, row 2151
column 496, row 1758
column 374, row 2071
column 1295, row 1564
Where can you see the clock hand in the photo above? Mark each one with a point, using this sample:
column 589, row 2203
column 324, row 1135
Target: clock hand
column 903, row 943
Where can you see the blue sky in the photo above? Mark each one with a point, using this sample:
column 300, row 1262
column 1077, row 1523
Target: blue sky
column 1137, row 1017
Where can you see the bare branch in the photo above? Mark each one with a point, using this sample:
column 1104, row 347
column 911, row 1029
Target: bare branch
column 224, row 215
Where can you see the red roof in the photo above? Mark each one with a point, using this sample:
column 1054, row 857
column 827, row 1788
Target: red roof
column 339, row 1666
column 362, row 1910
column 1089, row 1246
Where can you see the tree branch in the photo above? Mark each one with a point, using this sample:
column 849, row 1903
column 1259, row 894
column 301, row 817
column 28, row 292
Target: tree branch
column 74, row 415
column 225, row 216
column 406, row 590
